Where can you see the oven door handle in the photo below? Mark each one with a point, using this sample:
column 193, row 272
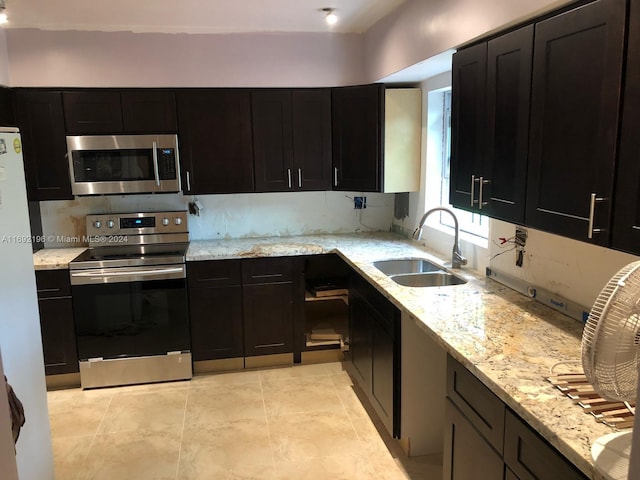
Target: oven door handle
column 121, row 275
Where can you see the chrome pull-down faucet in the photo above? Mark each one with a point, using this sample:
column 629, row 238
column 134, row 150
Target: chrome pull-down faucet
column 457, row 260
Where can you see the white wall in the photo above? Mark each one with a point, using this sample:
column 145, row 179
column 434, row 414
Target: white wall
column 126, row 59
column 233, row 216
column 420, row 29
column 4, row 59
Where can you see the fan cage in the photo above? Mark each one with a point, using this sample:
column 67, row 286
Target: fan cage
column 611, row 336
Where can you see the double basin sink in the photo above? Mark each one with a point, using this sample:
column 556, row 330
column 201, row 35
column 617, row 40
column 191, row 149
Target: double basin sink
column 417, row 272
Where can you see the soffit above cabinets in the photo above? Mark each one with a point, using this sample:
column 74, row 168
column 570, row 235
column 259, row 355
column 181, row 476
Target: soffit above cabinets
column 197, row 16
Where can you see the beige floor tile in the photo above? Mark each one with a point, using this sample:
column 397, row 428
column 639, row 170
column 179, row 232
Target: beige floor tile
column 137, row 455
column 76, row 412
column 157, row 411
column 153, row 387
column 341, row 379
column 296, row 395
column 341, row 467
column 210, row 404
column 69, row 454
column 302, row 436
column 232, row 378
column 211, row 471
column 225, row 445
column 295, row 371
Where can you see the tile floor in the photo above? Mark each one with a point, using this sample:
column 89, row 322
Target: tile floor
column 302, row 422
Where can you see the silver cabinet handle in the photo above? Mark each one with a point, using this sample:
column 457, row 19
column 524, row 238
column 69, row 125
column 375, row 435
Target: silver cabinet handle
column 335, row 176
column 155, row 163
column 299, row 178
column 188, row 181
column 473, row 190
column 592, row 213
column 481, row 203
column 289, row 176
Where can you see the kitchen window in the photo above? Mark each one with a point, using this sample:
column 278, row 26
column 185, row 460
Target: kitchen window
column 475, row 226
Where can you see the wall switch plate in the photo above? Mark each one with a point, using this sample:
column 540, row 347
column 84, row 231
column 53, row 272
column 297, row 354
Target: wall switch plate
column 359, row 202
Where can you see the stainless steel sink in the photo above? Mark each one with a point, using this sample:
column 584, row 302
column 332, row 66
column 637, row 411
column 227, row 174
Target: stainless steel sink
column 417, row 272
column 407, row 265
column 431, row 279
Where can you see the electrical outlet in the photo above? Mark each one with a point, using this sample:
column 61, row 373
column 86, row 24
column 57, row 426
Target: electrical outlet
column 359, row 202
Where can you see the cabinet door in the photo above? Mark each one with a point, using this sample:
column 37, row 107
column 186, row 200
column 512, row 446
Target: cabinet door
column 509, row 60
column 467, row 124
column 532, row 458
column 467, row 455
column 382, row 373
column 626, row 214
column 58, row 335
column 574, row 115
column 360, row 340
column 268, row 319
column 148, row 112
column 357, row 117
column 215, row 141
column 6, row 111
column 92, row 112
column 216, row 322
column 312, row 139
column 272, row 140
column 40, row 118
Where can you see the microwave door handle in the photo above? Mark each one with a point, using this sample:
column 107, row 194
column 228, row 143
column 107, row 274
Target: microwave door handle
column 155, row 163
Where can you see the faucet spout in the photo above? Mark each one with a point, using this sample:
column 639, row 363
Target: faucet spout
column 457, row 260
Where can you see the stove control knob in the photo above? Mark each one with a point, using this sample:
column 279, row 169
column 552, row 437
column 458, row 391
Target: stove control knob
column 97, row 224
column 165, row 221
column 111, row 224
column 178, row 221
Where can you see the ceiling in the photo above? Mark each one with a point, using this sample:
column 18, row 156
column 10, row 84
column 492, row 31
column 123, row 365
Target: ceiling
column 197, row 16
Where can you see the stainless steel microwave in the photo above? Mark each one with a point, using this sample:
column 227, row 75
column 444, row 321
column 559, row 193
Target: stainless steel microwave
column 120, row 164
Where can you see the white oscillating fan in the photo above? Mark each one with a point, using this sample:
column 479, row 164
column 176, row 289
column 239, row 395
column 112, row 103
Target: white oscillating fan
column 610, row 358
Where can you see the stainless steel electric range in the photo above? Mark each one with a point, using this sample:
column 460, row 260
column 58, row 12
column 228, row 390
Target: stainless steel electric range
column 130, row 299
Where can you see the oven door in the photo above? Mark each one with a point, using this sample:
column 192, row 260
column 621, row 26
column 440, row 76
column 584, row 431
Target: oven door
column 130, row 312
column 112, row 164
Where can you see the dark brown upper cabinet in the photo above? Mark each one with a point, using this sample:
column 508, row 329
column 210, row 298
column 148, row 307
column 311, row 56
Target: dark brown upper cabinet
column 39, row 115
column 626, row 213
column 119, row 111
column 357, row 127
column 575, row 104
column 490, row 125
column 6, row 110
column 376, row 138
column 215, row 140
column 292, row 139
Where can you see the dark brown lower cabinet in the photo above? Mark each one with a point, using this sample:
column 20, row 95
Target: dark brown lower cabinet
column 486, row 440
column 56, row 322
column 215, row 309
column 268, row 319
column 242, row 308
column 374, row 350
column 467, row 455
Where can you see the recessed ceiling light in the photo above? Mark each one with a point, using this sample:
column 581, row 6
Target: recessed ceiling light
column 331, row 18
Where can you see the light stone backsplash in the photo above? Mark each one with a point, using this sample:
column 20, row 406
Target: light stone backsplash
column 228, row 216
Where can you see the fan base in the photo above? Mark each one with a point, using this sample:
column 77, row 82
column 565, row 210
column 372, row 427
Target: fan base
column 611, row 455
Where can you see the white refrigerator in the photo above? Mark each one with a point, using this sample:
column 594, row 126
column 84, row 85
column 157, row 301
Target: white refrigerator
column 20, row 340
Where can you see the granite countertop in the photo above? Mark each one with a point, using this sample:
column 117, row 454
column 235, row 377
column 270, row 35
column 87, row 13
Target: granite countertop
column 55, row 258
column 506, row 339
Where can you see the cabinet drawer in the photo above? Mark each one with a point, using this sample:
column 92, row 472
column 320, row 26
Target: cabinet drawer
column 530, row 457
column 213, row 273
column 484, row 409
column 267, row 270
column 53, row 283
